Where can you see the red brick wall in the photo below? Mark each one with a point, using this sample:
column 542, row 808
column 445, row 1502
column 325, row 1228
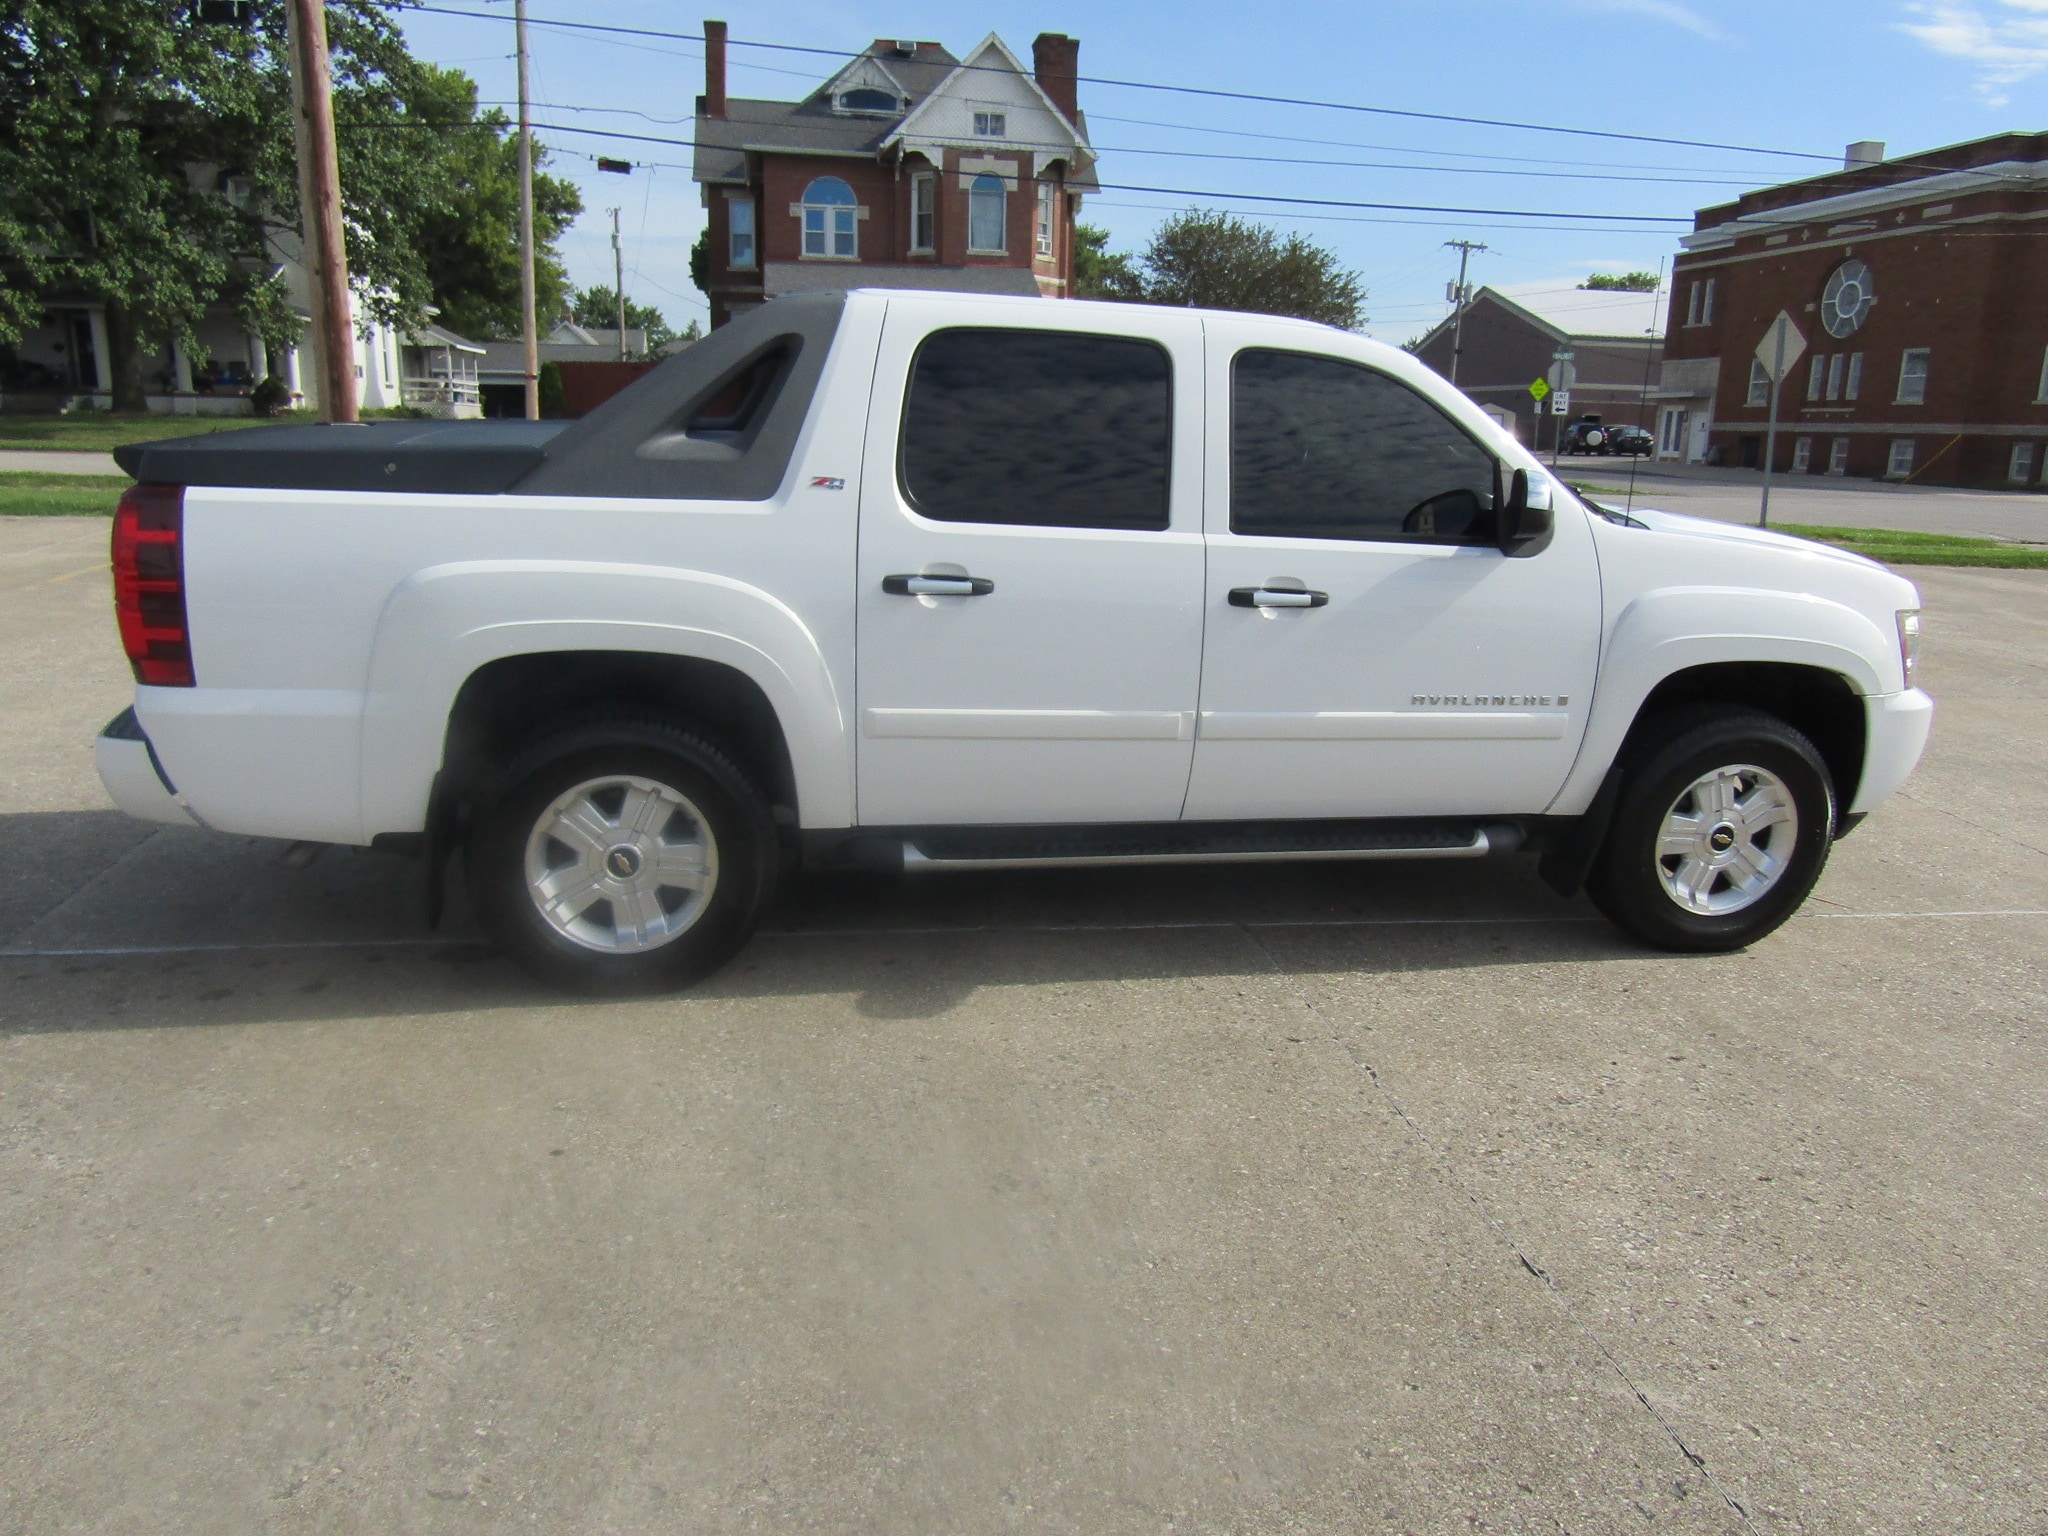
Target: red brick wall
column 586, row 386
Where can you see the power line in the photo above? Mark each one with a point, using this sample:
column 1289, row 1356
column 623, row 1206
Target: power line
column 1185, row 90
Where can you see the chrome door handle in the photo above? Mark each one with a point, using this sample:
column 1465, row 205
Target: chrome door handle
column 1277, row 597
column 937, row 586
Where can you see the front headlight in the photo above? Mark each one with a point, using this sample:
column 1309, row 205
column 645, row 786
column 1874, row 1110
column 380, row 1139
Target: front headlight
column 1909, row 641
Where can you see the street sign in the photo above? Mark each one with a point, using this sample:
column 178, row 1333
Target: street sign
column 1563, row 355
column 1561, row 403
column 1563, row 375
column 1538, row 390
column 1781, row 347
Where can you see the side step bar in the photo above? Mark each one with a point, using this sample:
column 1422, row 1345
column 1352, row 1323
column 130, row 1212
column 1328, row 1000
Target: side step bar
column 1092, row 846
column 1482, row 843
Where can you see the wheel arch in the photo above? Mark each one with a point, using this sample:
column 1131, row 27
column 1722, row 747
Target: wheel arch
column 1822, row 705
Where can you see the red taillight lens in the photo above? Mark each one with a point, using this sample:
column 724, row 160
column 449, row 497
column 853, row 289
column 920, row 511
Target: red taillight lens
column 149, row 584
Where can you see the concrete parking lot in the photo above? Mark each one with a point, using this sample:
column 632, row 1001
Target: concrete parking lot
column 1338, row 1198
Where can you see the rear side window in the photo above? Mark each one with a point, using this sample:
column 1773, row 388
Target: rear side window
column 1043, row 428
column 1323, row 449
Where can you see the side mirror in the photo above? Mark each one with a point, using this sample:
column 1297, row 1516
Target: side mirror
column 1524, row 527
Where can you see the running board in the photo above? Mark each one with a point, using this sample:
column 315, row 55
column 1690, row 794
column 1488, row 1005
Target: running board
column 1092, row 847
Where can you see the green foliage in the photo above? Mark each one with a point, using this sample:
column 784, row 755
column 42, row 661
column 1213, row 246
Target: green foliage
column 700, row 261
column 553, row 402
column 1896, row 548
column 1209, row 260
column 1626, row 282
column 1100, row 273
column 600, row 307
column 149, row 152
column 103, row 430
column 468, row 227
column 270, row 395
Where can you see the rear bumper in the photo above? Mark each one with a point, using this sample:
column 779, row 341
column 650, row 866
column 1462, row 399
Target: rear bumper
column 129, row 768
column 1895, row 727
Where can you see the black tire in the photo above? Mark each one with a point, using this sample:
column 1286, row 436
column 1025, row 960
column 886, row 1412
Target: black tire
column 1675, row 752
column 707, row 796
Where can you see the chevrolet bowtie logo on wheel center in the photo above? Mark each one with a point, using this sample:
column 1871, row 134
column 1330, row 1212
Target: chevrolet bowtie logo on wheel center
column 623, row 861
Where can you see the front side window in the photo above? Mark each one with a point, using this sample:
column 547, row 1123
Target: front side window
column 1048, row 429
column 1325, row 449
column 1045, row 217
column 921, row 203
column 740, row 212
column 985, row 215
column 1759, row 383
column 1913, row 376
column 831, row 219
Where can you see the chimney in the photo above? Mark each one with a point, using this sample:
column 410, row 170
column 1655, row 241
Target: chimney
column 1862, row 152
column 714, row 69
column 1056, row 60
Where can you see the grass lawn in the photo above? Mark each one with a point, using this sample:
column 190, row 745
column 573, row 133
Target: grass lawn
column 102, row 431
column 1895, row 548
column 35, row 494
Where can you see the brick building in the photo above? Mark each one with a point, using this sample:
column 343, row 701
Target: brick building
column 908, row 168
column 1510, row 339
column 1916, row 283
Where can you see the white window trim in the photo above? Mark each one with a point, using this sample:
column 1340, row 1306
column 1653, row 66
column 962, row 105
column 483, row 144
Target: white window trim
column 1893, row 469
column 927, row 183
column 797, row 211
column 1692, row 314
column 1926, row 354
column 1853, row 383
column 992, row 125
column 1817, row 376
column 1759, row 384
column 988, row 250
column 1838, row 456
column 1045, row 221
column 2019, row 464
column 1707, row 304
column 733, row 205
column 1802, row 455
column 2041, row 391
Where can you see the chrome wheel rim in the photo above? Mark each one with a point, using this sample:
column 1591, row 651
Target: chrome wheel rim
column 621, row 864
column 1727, row 840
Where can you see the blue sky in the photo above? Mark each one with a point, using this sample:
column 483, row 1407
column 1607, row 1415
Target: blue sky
column 1807, row 76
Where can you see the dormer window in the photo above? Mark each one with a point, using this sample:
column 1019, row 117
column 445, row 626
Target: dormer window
column 869, row 101
column 990, row 125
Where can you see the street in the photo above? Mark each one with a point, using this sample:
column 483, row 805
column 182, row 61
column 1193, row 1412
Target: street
column 1327, row 1198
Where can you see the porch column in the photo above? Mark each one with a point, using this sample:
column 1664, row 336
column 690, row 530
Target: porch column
column 259, row 358
column 182, row 402
column 102, row 352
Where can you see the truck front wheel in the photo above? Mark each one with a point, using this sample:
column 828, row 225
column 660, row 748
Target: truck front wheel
column 1719, row 835
column 622, row 855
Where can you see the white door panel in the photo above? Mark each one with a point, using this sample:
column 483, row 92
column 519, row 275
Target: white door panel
column 1067, row 691
column 1436, row 679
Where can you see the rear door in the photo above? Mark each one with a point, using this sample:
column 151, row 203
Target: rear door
column 1030, row 572
column 1370, row 651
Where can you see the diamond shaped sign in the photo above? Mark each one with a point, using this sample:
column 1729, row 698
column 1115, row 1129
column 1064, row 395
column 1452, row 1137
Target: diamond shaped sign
column 1781, row 334
column 1538, row 390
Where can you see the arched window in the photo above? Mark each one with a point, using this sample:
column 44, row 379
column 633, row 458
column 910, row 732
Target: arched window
column 831, row 218
column 985, row 215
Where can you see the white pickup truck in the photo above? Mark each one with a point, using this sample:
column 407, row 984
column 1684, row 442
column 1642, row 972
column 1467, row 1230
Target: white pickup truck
column 943, row 581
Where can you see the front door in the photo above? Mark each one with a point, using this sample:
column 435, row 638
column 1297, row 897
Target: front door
column 1030, row 600
column 1370, row 651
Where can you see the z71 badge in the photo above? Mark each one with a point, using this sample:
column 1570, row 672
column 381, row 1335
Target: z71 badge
column 827, row 483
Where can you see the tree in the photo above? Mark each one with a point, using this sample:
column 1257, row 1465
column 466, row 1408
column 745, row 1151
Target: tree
column 150, row 159
column 1100, row 273
column 600, row 307
column 1208, row 260
column 468, row 232
column 1626, row 282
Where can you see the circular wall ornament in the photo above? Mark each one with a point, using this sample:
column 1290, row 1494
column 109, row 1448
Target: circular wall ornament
column 1846, row 301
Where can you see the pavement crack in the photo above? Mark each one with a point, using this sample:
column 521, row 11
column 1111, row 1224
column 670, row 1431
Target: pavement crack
column 1451, row 1176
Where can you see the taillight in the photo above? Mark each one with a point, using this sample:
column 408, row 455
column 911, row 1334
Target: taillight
column 149, row 584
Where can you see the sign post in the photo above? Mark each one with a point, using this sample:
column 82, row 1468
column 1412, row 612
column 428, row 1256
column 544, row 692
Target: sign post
column 1782, row 346
column 1537, row 390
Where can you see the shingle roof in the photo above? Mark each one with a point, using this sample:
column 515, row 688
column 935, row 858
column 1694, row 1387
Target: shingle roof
column 811, row 124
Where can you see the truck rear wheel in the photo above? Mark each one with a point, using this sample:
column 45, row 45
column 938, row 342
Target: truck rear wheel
column 1719, row 835
column 622, row 855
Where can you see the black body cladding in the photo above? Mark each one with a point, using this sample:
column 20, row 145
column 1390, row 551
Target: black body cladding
column 717, row 422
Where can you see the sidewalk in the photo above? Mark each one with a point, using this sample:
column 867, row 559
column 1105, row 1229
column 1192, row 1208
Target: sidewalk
column 57, row 461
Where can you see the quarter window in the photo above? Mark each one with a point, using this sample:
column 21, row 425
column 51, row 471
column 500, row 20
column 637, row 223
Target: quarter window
column 1913, row 376
column 739, row 212
column 831, row 219
column 1323, row 449
column 921, row 200
column 985, row 215
column 1043, row 428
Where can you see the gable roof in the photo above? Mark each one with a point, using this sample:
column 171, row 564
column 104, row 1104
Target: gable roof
column 1574, row 314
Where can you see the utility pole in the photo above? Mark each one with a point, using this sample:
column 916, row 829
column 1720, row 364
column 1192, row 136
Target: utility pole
column 320, row 208
column 1464, row 248
column 619, row 282
column 529, row 329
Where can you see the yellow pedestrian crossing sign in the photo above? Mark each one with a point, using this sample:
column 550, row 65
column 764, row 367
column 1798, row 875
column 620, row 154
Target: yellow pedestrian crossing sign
column 1538, row 390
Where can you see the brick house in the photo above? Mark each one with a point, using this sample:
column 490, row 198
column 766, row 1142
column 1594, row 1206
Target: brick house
column 908, row 168
column 1510, row 338
column 1915, row 282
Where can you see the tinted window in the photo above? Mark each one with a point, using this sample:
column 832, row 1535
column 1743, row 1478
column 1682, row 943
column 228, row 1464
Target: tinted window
column 1322, row 449
column 1038, row 427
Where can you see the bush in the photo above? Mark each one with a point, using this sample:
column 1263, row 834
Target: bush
column 269, row 396
column 552, row 401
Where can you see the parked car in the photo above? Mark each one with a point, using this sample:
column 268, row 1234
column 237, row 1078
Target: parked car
column 1586, row 435
column 1631, row 441
column 934, row 582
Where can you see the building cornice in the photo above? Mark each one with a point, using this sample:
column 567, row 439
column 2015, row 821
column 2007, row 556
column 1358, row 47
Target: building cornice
column 2006, row 175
